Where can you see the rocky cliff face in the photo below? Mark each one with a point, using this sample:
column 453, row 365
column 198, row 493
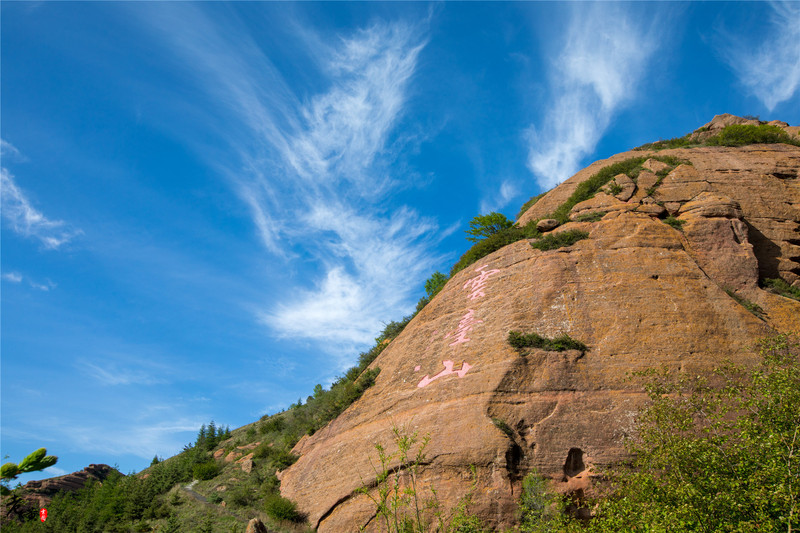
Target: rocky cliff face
column 638, row 292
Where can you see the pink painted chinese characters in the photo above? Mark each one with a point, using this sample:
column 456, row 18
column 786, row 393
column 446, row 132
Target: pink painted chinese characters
column 448, row 369
column 478, row 283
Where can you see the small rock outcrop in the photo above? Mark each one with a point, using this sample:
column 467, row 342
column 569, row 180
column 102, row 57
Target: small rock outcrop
column 256, row 526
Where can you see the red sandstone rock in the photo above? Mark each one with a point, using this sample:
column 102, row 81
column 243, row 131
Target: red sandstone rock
column 638, row 292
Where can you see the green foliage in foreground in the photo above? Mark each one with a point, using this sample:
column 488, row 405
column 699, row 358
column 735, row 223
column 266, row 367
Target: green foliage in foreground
column 540, row 511
column 778, row 286
column 552, row 241
column 520, row 341
column 720, row 456
column 401, row 504
column 34, row 462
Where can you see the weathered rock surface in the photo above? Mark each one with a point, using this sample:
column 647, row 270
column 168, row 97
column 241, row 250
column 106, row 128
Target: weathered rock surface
column 637, row 291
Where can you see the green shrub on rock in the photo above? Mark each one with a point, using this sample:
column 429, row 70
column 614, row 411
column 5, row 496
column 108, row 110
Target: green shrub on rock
column 279, row 508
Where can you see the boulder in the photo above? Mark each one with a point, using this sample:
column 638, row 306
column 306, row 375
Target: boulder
column 246, row 463
column 547, row 224
column 654, row 165
column 600, row 203
column 625, row 183
column 256, row 526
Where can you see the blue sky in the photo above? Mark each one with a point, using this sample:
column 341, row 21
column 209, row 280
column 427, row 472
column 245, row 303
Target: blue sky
column 209, row 208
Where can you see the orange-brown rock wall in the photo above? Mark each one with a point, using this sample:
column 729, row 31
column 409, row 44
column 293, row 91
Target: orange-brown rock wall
column 637, row 291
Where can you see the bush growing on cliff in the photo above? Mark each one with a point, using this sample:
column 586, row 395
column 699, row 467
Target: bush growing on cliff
column 483, row 226
column 715, row 458
column 743, row 134
column 561, row 343
column 493, row 243
column 540, row 511
column 778, row 286
column 434, row 284
column 552, row 241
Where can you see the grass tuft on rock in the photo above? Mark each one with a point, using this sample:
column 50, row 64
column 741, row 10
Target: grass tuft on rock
column 564, row 342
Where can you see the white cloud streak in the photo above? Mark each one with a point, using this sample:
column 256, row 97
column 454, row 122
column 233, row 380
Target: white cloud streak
column 26, row 220
column 770, row 70
column 319, row 175
column 508, row 191
column 13, row 277
column 125, row 370
column 16, row 277
column 601, row 62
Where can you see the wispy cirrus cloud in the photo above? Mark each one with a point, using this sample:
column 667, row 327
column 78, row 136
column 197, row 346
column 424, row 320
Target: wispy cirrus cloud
column 25, row 219
column 319, row 174
column 16, row 277
column 769, row 69
column 602, row 59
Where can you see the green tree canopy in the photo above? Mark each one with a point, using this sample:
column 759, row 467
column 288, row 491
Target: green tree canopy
column 483, row 226
column 434, row 284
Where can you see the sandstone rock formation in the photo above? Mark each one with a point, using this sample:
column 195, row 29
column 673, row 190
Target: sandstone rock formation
column 40, row 493
column 638, row 292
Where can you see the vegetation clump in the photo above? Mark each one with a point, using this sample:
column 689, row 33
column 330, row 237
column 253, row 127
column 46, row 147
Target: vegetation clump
column 591, row 217
column 778, row 286
column 520, row 341
column 747, row 304
column 279, row 508
column 743, row 134
column 676, row 223
column 678, row 142
column 493, row 243
column 587, row 189
column 552, row 241
column 733, row 135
